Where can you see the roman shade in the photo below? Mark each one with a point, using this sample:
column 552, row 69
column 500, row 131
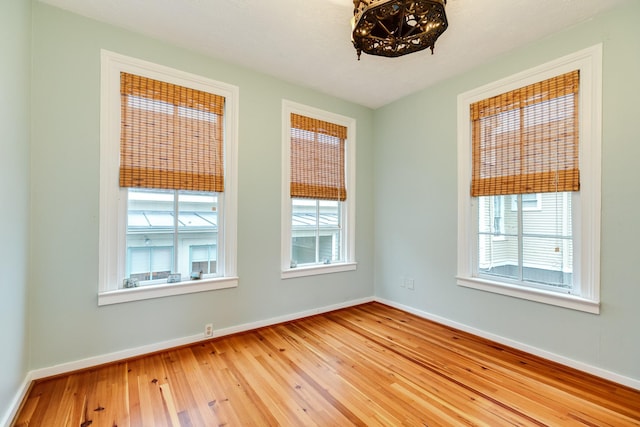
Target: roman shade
column 526, row 140
column 171, row 136
column 317, row 159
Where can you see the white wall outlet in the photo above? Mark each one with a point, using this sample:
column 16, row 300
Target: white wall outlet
column 208, row 330
column 403, row 282
column 409, row 284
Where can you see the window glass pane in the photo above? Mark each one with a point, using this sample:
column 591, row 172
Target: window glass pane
column 329, row 213
column 491, row 214
column 511, row 216
column 498, row 257
column 197, row 211
column 156, row 249
column 139, row 260
column 529, row 201
column 198, row 231
column 484, row 214
column 546, row 261
column 199, row 253
column 552, row 219
column 150, row 230
column 304, row 228
column 534, row 247
column 547, row 241
column 326, row 252
column 316, row 234
column 203, row 267
column 203, row 259
column 330, row 231
column 161, row 259
column 303, row 249
column 304, row 214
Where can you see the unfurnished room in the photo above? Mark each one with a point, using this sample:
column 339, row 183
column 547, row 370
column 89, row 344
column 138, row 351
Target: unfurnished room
column 319, row 213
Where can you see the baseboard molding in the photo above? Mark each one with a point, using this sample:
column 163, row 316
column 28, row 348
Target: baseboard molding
column 164, row 345
column 151, row 348
column 89, row 362
column 584, row 367
column 14, row 405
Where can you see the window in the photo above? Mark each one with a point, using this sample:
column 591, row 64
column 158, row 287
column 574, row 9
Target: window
column 530, row 201
column 149, row 263
column 497, row 214
column 177, row 220
column 203, row 259
column 318, row 191
column 316, row 230
column 167, row 182
column 532, row 142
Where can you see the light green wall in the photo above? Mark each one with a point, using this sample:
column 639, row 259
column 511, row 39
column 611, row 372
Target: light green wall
column 67, row 325
column 15, row 36
column 416, row 205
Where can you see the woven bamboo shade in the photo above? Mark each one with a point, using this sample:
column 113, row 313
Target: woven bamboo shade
column 317, row 159
column 526, row 140
column 171, row 136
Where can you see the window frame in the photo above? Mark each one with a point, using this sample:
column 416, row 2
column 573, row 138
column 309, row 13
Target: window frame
column 113, row 199
column 586, row 202
column 348, row 207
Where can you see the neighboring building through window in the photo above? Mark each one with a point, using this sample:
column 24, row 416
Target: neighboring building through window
column 532, row 143
column 168, row 201
column 316, row 230
column 203, row 259
column 318, row 191
column 177, row 224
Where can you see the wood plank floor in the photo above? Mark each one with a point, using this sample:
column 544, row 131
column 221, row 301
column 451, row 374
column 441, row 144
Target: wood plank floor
column 369, row 365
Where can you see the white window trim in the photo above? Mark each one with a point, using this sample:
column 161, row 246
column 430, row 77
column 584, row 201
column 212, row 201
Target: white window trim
column 112, row 244
column 349, row 263
column 587, row 201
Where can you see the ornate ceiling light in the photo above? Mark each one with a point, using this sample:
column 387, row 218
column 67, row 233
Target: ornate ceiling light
column 397, row 27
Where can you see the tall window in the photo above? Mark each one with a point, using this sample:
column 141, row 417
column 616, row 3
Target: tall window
column 167, row 182
column 318, row 191
column 531, row 143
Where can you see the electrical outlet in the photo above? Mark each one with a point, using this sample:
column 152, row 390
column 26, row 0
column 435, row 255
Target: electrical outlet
column 208, row 330
column 403, row 283
column 410, row 284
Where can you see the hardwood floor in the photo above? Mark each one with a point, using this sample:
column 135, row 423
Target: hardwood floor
column 369, row 365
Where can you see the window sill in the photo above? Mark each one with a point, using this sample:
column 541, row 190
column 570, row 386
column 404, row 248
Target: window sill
column 538, row 295
column 318, row 269
column 165, row 290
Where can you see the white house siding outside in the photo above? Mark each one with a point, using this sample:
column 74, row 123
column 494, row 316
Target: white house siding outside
column 154, row 250
column 547, row 252
column 316, row 232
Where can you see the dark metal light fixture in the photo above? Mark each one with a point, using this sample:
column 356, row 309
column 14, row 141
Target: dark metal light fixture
column 397, row 27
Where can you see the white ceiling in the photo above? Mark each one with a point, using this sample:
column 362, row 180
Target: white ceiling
column 308, row 42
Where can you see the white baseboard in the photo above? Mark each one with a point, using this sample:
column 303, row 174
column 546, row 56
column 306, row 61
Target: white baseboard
column 151, row 348
column 581, row 366
column 14, row 405
column 164, row 345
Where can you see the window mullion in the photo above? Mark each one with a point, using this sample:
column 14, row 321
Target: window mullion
column 175, row 268
column 176, row 205
column 520, row 240
column 520, row 204
column 317, row 230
